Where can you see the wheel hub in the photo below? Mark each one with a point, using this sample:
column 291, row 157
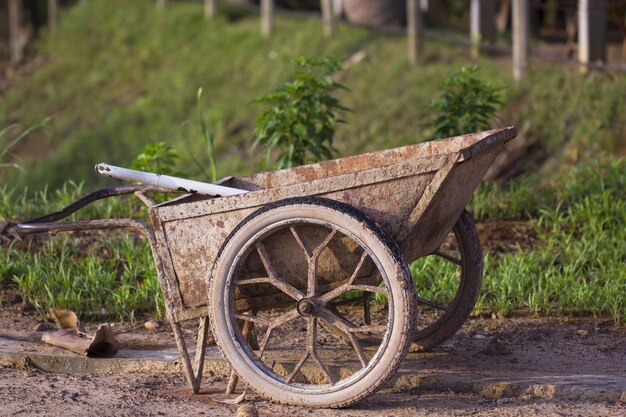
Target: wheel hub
column 306, row 307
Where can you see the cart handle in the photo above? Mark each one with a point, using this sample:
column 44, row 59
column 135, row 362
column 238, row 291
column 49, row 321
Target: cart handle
column 167, row 181
column 33, row 225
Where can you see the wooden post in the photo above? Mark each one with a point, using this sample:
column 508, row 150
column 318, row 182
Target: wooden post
column 415, row 28
column 591, row 32
column 488, row 11
column 475, row 35
column 327, row 18
column 502, row 16
column 337, row 8
column 210, row 8
column 624, row 41
column 267, row 15
column 15, row 43
column 482, row 24
column 53, row 14
column 520, row 38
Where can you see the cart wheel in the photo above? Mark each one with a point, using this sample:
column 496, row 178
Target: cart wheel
column 442, row 319
column 283, row 269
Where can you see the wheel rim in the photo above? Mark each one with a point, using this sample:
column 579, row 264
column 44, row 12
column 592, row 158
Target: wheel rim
column 433, row 313
column 312, row 306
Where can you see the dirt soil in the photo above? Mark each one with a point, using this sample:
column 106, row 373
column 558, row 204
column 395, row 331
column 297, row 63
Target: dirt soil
column 552, row 346
column 29, row 393
column 528, row 347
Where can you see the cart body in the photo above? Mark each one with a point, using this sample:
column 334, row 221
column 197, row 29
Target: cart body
column 415, row 193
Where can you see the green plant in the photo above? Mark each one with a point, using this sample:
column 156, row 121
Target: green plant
column 466, row 105
column 106, row 104
column 518, row 199
column 302, row 115
column 156, row 157
column 107, row 277
column 6, row 147
column 209, row 139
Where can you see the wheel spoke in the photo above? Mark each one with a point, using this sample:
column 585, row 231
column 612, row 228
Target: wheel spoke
column 353, row 300
column 251, row 318
column 344, row 326
column 352, row 328
column 378, row 329
column 447, row 257
column 273, row 277
column 431, row 304
column 279, row 321
column 358, row 349
column 298, row 366
column 367, row 315
column 312, row 268
column 325, row 243
column 369, row 288
column 264, row 342
column 312, row 346
column 303, row 244
column 344, row 287
column 250, row 281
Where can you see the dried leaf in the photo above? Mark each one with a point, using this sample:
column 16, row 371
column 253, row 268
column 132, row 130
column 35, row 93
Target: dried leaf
column 231, row 401
column 67, row 319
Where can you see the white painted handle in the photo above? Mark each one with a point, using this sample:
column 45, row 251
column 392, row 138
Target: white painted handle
column 166, row 181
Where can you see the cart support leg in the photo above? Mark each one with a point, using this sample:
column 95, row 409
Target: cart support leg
column 203, row 332
column 184, row 356
column 248, row 334
column 367, row 315
column 232, row 382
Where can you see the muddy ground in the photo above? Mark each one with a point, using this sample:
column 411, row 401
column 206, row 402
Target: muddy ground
column 537, row 347
column 533, row 347
column 34, row 393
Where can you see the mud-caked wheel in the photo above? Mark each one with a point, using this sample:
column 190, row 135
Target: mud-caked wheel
column 461, row 266
column 276, row 303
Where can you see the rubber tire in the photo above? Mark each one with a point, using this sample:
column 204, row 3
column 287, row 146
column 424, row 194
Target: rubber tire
column 467, row 294
column 400, row 286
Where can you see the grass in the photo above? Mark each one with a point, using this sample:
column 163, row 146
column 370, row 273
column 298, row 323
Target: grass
column 133, row 78
column 526, row 196
column 99, row 275
column 20, row 203
column 577, row 269
column 108, row 89
column 111, row 277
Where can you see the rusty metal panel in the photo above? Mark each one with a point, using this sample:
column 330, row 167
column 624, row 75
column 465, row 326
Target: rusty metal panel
column 388, row 203
column 415, row 193
column 319, row 186
column 194, row 242
column 445, row 206
column 466, row 144
column 193, row 245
